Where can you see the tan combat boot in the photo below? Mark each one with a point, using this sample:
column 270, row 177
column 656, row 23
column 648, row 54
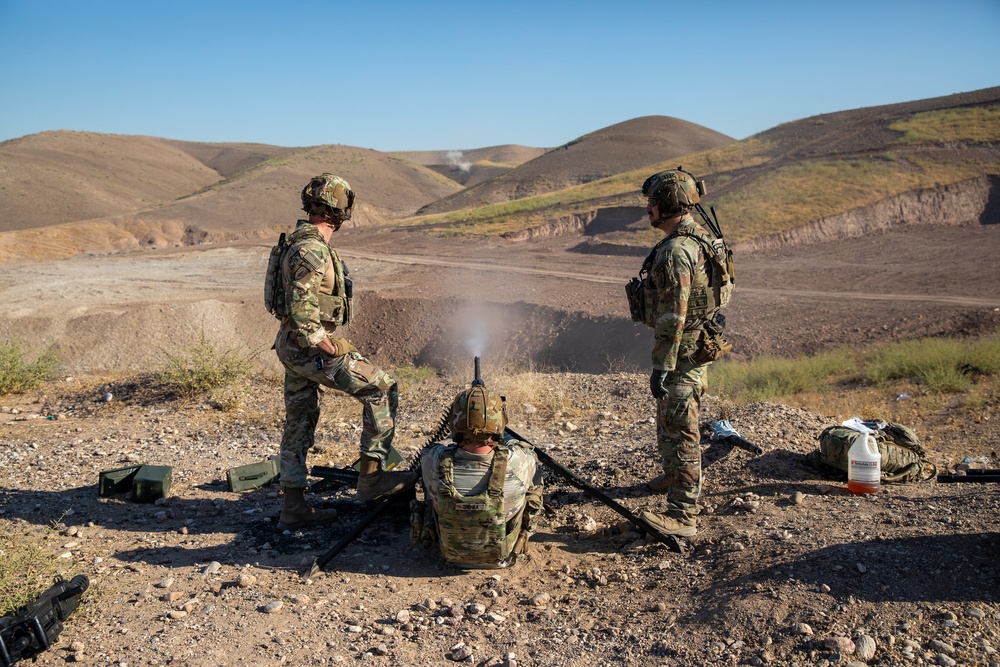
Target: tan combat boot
column 373, row 482
column 296, row 513
column 668, row 525
column 659, row 484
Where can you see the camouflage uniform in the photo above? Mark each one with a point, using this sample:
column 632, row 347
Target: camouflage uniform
column 490, row 516
column 679, row 275
column 312, row 272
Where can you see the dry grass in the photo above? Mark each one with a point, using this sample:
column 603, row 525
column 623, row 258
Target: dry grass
column 979, row 124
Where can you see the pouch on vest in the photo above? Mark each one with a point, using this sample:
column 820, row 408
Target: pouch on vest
column 904, row 459
column 712, row 343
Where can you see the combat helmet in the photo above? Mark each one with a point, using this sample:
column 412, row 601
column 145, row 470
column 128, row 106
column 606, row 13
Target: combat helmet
column 674, row 191
column 479, row 414
column 328, row 195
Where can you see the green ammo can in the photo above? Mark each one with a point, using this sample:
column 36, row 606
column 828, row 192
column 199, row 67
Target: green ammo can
column 115, row 481
column 151, row 482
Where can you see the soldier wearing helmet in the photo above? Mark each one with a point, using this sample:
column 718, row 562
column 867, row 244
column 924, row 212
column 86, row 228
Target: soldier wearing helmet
column 675, row 284
column 317, row 300
column 483, row 490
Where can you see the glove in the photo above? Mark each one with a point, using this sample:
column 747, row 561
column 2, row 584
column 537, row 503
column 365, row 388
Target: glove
column 342, row 346
column 658, row 384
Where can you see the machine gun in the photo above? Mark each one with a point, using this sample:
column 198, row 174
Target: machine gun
column 973, row 476
column 34, row 627
column 671, row 541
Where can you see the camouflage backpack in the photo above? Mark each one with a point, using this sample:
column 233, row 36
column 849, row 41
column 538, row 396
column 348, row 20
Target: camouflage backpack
column 274, row 289
column 904, row 459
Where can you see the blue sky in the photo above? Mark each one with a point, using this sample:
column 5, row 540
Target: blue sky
column 393, row 75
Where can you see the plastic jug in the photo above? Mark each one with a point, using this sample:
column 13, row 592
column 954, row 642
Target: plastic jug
column 864, row 461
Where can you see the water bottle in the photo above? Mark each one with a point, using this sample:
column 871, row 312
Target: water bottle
column 864, row 462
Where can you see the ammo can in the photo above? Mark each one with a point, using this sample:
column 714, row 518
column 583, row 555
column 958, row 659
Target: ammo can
column 115, row 481
column 253, row 475
column 151, row 482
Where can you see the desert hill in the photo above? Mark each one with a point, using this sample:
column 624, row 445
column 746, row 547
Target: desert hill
column 56, row 177
column 259, row 195
column 834, row 176
column 471, row 167
column 606, row 152
column 837, row 175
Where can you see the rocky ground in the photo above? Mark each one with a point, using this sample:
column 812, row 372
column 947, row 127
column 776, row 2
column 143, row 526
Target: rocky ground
column 787, row 567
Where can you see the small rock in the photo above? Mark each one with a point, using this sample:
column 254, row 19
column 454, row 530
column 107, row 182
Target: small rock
column 940, row 646
column 798, row 497
column 944, row 660
column 211, row 568
column 975, row 612
column 171, row 596
column 823, row 588
column 839, row 644
column 382, row 649
column 801, row 629
column 246, row 580
column 864, row 647
column 166, row 583
column 461, row 654
column 403, row 616
column 540, row 600
column 354, row 629
column 272, row 607
column 861, row 568
column 177, row 614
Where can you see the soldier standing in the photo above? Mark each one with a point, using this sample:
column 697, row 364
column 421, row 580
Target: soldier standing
column 484, row 490
column 680, row 301
column 317, row 299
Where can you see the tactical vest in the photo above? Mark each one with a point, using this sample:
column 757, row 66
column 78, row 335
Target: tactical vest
column 703, row 303
column 335, row 308
column 472, row 529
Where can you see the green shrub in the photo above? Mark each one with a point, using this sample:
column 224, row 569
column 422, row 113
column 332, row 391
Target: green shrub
column 205, row 369
column 771, row 377
column 18, row 375
column 940, row 365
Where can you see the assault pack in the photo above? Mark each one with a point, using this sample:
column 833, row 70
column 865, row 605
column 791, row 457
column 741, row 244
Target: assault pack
column 904, row 459
column 336, row 308
column 274, row 290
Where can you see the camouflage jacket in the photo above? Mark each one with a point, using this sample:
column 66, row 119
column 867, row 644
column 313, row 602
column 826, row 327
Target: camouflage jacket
column 679, row 276
column 519, row 501
column 314, row 279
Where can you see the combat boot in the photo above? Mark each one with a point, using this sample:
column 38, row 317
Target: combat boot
column 668, row 525
column 296, row 513
column 659, row 484
column 373, row 482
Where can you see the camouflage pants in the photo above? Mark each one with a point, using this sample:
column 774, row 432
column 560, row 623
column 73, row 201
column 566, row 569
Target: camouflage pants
column 308, row 368
column 678, row 437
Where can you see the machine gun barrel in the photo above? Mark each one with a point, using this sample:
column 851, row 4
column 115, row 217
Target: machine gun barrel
column 478, row 381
